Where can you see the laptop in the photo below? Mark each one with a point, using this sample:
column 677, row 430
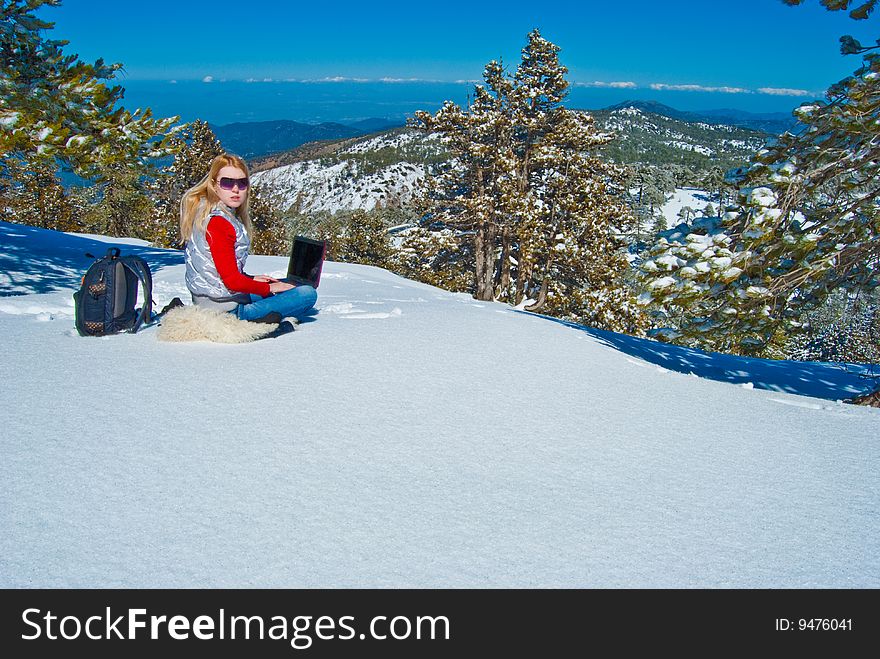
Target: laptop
column 306, row 261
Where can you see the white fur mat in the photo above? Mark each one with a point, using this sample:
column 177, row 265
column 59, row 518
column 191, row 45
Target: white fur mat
column 194, row 323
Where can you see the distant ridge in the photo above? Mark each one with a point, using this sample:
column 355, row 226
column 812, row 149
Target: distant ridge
column 257, row 138
column 374, row 125
column 774, row 123
column 260, row 138
column 655, row 108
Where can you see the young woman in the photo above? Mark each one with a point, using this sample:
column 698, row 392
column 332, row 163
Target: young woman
column 215, row 224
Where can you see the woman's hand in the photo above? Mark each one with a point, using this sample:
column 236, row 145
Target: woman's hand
column 265, row 278
column 276, row 286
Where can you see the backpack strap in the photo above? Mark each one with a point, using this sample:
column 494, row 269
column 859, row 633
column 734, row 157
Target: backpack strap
column 140, row 268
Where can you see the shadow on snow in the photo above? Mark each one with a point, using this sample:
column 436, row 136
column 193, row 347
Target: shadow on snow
column 826, row 380
column 35, row 260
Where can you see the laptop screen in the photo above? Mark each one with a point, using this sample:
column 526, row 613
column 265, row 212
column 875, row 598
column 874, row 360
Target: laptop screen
column 306, row 261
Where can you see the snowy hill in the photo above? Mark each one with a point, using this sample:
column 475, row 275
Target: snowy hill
column 692, row 198
column 658, row 139
column 408, row 436
column 769, row 122
column 377, row 171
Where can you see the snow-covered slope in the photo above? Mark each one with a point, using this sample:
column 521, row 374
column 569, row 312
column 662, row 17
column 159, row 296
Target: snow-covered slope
column 313, row 186
column 382, row 171
column 654, row 138
column 407, row 436
column 692, row 198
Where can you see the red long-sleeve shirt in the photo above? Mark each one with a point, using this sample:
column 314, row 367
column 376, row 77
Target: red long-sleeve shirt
column 221, row 242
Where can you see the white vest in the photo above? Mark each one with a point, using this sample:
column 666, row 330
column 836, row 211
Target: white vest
column 202, row 278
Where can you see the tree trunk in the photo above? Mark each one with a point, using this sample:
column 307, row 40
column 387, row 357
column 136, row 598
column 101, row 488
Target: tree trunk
column 523, row 273
column 484, row 246
column 871, row 399
column 542, row 297
column 545, row 284
column 502, row 290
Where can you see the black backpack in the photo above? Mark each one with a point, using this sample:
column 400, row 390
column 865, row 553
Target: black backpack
column 105, row 303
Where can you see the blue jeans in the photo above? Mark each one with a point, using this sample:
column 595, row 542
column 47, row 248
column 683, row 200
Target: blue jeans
column 295, row 302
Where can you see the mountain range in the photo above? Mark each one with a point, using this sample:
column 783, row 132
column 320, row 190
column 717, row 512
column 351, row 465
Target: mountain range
column 256, row 140
column 774, row 123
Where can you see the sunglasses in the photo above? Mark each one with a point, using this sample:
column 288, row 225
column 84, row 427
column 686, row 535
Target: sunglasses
column 229, row 183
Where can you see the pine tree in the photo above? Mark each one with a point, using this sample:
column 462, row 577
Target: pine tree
column 271, row 233
column 645, row 194
column 476, row 191
column 122, row 207
column 543, row 213
column 33, row 194
column 55, row 107
column 362, row 237
column 439, row 257
column 861, row 9
column 807, row 223
column 685, row 213
column 713, row 181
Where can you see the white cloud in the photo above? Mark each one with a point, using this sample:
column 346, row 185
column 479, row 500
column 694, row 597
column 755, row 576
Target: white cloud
column 385, row 80
column 782, row 91
column 613, row 85
column 406, row 80
column 660, row 86
column 337, row 79
column 208, row 79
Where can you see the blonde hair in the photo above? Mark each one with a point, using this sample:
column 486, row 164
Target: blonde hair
column 199, row 200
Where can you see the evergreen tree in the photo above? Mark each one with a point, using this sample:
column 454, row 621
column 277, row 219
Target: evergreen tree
column 807, row 223
column 271, row 233
column 861, row 9
column 442, row 258
column 122, row 207
column 542, row 211
column 846, row 328
column 32, row 194
column 477, row 190
column 685, row 213
column 362, row 237
column 713, row 181
column 646, row 189
column 55, row 107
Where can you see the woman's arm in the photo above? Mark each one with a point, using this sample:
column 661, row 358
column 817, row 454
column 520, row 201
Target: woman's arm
column 221, row 241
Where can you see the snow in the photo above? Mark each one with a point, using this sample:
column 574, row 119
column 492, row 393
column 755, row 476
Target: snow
column 687, row 146
column 9, row 119
column 437, row 442
column 630, row 112
column 352, row 182
column 693, row 198
column 341, row 186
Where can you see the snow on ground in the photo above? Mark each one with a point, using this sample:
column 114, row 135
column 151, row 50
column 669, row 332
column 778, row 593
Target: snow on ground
column 693, row 198
column 341, row 186
column 411, row 437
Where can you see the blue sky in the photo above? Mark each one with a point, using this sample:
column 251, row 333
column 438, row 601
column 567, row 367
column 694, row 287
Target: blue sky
column 734, row 50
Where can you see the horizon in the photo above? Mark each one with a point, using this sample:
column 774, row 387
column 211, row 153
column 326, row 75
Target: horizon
column 761, row 56
column 348, row 103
